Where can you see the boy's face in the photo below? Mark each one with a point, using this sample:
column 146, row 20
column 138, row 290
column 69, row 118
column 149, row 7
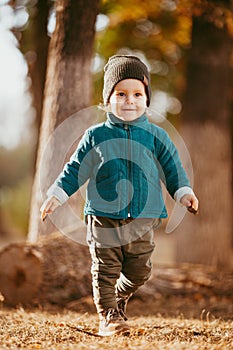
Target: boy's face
column 128, row 100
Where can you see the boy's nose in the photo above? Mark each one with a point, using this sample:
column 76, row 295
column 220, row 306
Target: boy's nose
column 129, row 99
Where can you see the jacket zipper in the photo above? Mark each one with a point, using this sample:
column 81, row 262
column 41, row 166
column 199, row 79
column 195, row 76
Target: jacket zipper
column 126, row 127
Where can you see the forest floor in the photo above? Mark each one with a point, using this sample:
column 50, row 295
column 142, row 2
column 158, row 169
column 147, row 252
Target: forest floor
column 163, row 323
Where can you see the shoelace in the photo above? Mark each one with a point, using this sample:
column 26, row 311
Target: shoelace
column 122, row 303
column 111, row 315
column 121, row 306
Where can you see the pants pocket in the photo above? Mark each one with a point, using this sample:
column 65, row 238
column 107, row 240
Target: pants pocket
column 89, row 238
column 156, row 223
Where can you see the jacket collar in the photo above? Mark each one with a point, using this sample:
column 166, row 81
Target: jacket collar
column 112, row 119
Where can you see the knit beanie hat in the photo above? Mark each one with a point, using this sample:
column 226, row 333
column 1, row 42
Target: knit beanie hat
column 121, row 67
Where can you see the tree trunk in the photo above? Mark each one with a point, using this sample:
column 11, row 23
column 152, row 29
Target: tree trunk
column 67, row 90
column 36, row 54
column 207, row 238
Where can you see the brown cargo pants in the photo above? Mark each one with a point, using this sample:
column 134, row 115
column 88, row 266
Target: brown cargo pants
column 121, row 256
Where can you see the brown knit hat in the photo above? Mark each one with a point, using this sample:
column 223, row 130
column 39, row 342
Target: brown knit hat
column 121, row 67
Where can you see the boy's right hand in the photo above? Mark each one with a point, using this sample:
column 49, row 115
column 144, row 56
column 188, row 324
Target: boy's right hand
column 49, row 206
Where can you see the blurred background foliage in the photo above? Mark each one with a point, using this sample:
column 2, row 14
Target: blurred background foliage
column 158, row 31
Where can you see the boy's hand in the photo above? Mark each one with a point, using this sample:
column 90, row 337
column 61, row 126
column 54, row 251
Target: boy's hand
column 49, row 206
column 190, row 201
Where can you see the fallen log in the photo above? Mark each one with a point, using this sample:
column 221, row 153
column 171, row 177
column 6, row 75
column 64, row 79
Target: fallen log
column 21, row 273
column 55, row 270
column 186, row 279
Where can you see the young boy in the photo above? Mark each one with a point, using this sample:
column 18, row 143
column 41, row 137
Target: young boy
column 124, row 158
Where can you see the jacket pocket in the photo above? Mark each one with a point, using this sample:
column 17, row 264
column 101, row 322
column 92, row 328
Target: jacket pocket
column 105, row 195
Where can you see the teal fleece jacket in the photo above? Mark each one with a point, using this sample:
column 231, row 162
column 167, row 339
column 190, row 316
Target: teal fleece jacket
column 125, row 163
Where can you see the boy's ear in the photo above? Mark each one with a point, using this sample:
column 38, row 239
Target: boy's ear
column 105, row 107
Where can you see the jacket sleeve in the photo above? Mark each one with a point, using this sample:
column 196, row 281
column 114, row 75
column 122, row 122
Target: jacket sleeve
column 171, row 169
column 75, row 172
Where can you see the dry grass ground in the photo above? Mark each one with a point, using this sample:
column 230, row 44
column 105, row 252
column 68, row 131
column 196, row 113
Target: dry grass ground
column 178, row 324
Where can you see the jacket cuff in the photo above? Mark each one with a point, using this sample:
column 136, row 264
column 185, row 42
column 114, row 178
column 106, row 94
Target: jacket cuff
column 58, row 192
column 181, row 192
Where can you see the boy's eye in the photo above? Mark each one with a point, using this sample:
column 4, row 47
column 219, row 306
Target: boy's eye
column 121, row 94
column 138, row 94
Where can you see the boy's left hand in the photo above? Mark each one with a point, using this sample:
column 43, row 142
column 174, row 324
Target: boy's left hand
column 190, row 201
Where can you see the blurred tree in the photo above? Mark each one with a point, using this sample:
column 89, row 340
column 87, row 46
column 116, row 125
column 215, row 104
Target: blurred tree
column 206, row 129
column 157, row 30
column 67, row 90
column 34, row 44
column 15, row 167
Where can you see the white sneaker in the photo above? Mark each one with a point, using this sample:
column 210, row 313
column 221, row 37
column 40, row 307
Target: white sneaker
column 111, row 322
